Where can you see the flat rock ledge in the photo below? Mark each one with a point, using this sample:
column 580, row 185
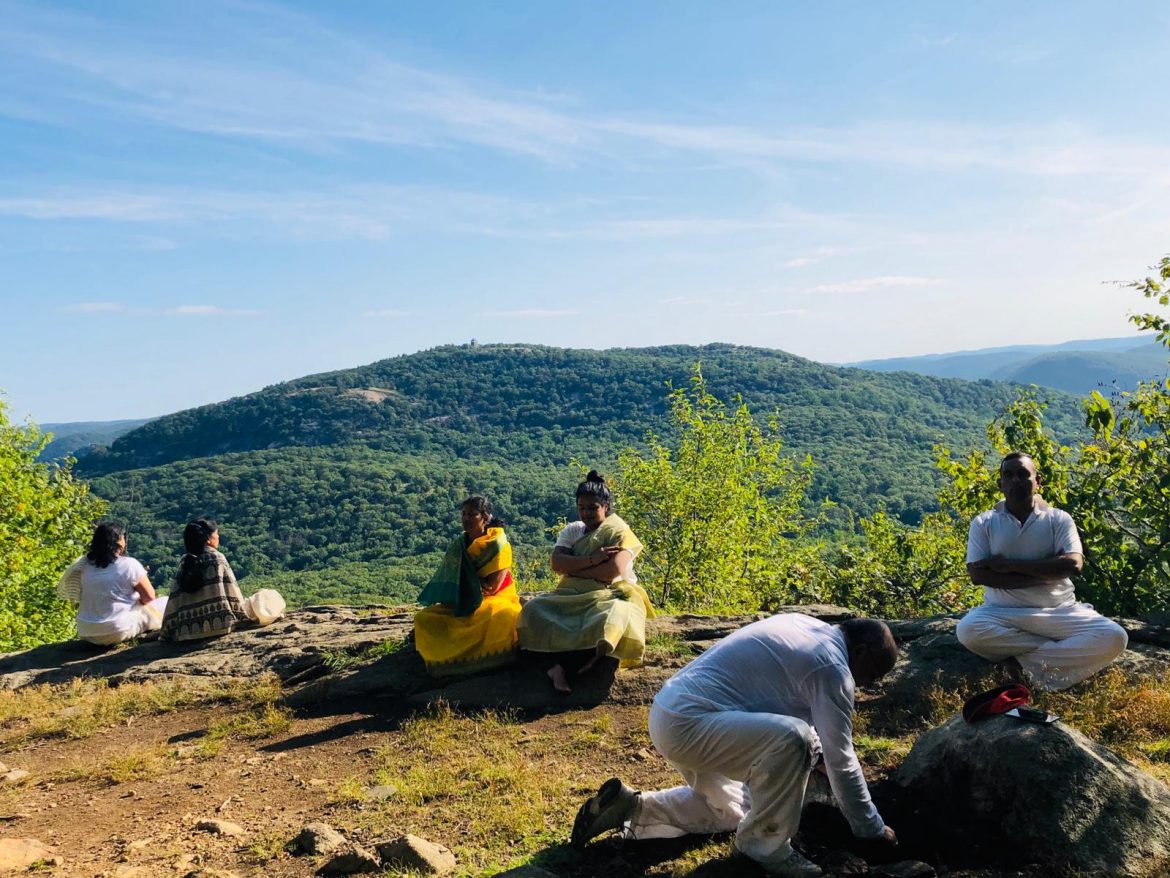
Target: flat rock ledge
column 355, row 654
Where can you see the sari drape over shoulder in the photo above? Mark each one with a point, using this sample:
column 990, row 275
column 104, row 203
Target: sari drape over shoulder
column 464, row 629
column 213, row 610
column 583, row 613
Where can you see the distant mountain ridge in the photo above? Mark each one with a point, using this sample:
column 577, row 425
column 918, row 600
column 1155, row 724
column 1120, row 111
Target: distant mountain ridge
column 77, row 437
column 352, row 478
column 1075, row 367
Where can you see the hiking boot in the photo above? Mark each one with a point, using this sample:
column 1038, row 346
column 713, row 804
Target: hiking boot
column 794, row 866
column 611, row 808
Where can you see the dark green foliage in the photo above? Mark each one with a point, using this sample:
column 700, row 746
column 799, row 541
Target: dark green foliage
column 46, row 520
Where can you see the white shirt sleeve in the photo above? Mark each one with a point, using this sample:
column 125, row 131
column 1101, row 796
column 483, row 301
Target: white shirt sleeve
column 978, row 543
column 831, row 699
column 134, row 571
column 1065, row 538
column 569, row 534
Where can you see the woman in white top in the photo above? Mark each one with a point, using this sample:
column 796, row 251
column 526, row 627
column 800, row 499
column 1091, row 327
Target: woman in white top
column 116, row 601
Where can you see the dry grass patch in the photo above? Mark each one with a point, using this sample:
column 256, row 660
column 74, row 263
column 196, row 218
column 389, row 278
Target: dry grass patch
column 1129, row 715
column 83, row 707
column 262, row 722
column 481, row 784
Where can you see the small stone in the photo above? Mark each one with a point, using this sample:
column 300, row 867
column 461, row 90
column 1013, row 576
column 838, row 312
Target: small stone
column 526, row 872
column 186, row 862
column 211, row 873
column 220, row 827
column 643, row 755
column 20, row 853
column 3, row 768
column 382, row 792
column 356, row 859
column 905, row 869
column 317, row 838
column 413, row 852
column 318, row 782
column 16, row 775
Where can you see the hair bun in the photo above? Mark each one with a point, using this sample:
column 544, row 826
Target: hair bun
column 595, row 476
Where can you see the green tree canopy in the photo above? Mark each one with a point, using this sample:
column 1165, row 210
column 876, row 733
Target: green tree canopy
column 46, row 517
column 719, row 509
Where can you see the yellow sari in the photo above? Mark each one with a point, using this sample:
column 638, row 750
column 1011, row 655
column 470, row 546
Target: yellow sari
column 584, row 613
column 451, row 644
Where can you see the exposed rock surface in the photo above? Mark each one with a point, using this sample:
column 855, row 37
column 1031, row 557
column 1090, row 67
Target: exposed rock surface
column 220, row 827
column 317, row 652
column 353, row 861
column 410, row 852
column 301, row 646
column 20, row 853
column 317, row 838
column 1011, row 793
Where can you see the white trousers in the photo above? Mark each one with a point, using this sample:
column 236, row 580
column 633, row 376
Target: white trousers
column 1057, row 646
column 745, row 772
column 137, row 620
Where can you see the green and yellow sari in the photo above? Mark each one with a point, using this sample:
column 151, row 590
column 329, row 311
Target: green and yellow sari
column 584, row 613
column 464, row 629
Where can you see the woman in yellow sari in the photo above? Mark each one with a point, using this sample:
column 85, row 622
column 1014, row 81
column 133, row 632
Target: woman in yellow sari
column 470, row 623
column 598, row 605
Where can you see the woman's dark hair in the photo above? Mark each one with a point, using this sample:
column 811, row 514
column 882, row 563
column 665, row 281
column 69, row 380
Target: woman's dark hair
column 195, row 537
column 594, row 486
column 103, row 547
column 483, row 506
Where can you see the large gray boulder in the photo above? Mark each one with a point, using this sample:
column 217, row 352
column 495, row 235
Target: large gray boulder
column 1004, row 792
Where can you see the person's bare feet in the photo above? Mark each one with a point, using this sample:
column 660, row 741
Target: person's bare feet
column 560, row 682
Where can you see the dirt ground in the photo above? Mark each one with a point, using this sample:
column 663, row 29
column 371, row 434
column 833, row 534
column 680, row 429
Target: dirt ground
column 145, row 825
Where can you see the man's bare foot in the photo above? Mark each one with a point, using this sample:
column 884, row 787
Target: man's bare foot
column 560, row 682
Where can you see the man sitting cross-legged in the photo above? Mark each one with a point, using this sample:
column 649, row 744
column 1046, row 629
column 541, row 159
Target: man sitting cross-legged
column 744, row 724
column 1024, row 553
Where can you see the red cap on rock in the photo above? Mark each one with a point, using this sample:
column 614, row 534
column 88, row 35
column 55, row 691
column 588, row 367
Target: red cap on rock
column 995, row 701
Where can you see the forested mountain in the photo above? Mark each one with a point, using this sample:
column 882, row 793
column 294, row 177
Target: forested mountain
column 353, row 472
column 1076, row 366
column 78, row 437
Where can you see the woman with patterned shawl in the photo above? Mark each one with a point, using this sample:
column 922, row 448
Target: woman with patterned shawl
column 207, row 601
column 598, row 605
column 470, row 605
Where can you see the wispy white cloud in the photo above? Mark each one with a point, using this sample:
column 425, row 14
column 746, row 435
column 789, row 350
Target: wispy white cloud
column 370, row 212
column 211, row 311
column 815, row 256
column 531, row 313
column 782, row 312
column 874, row 283
column 95, row 308
column 308, row 87
column 387, row 312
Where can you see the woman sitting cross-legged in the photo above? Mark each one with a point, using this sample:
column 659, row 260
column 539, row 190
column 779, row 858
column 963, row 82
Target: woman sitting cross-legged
column 470, row 605
column 598, row 605
column 207, row 601
column 114, row 597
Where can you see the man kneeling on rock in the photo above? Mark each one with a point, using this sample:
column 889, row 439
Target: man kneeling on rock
column 1024, row 553
column 744, row 724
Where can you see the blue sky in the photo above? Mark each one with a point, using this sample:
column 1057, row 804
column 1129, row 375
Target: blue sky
column 198, row 200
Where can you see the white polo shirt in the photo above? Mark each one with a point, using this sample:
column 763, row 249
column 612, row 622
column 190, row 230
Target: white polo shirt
column 1045, row 533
